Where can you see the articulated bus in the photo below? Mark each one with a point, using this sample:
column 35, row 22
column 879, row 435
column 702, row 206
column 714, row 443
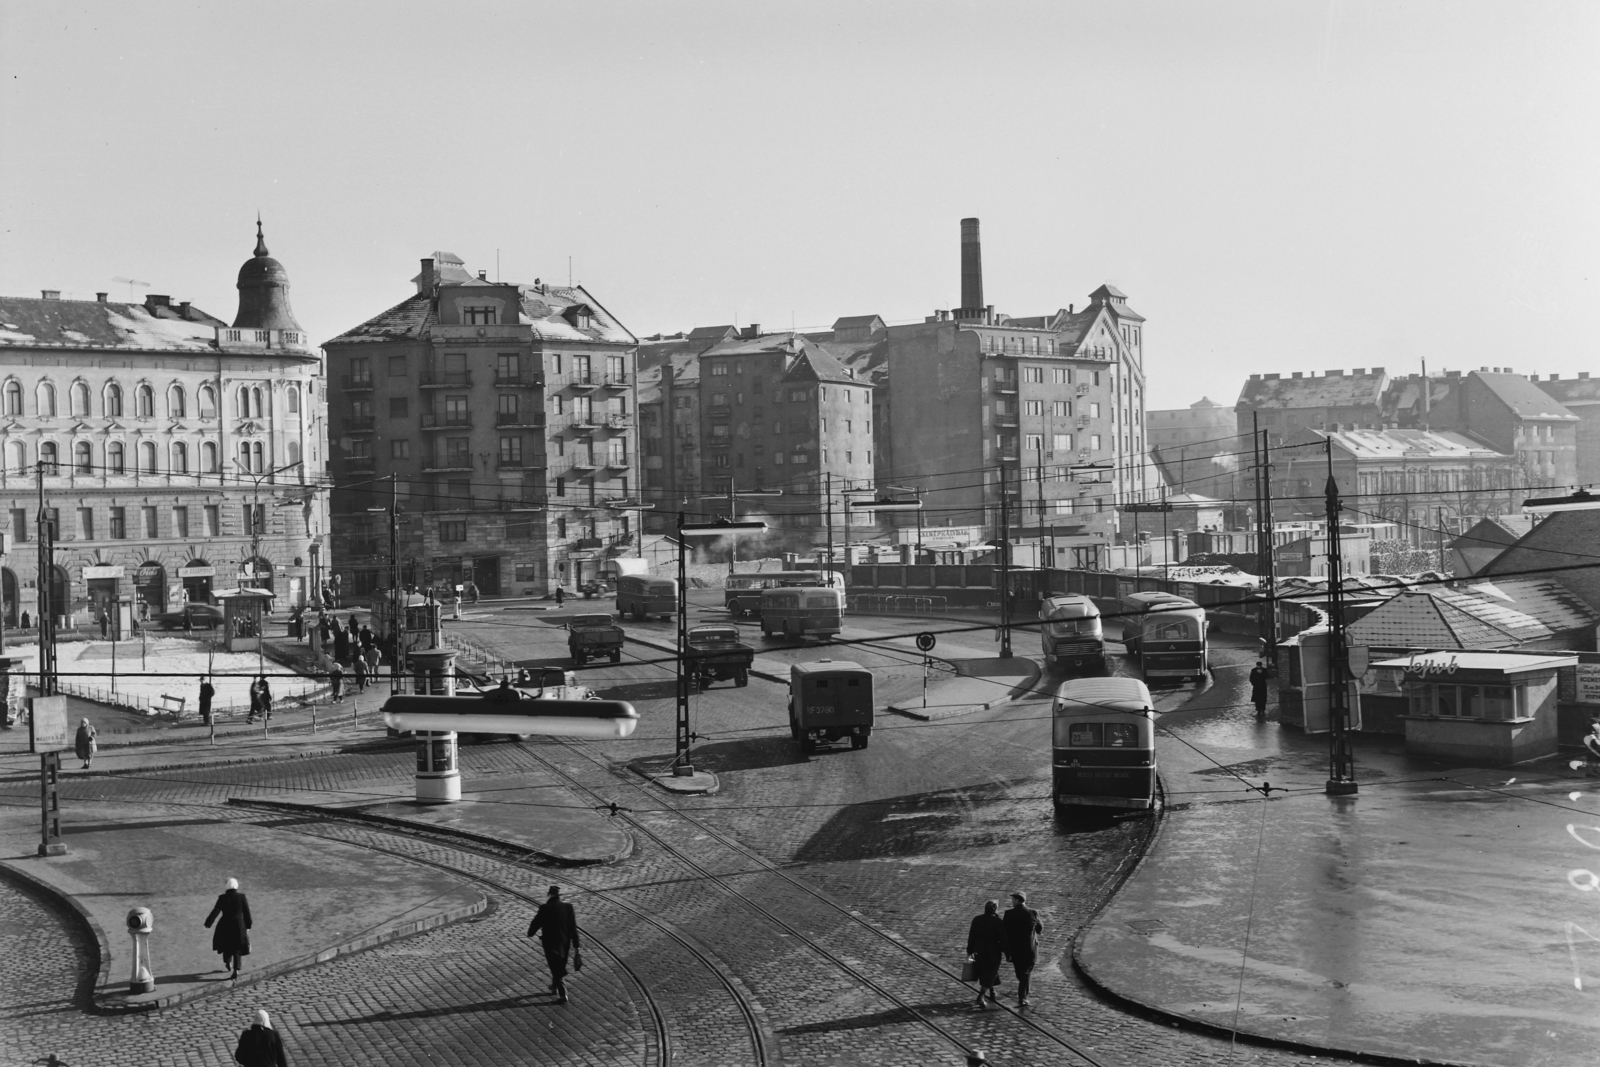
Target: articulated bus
column 1166, row 634
column 1104, row 744
column 802, row 611
column 641, row 595
column 742, row 595
column 1070, row 633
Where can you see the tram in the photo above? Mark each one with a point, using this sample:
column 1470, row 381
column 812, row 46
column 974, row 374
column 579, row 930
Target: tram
column 1104, row 745
column 1070, row 633
column 640, row 595
column 801, row 612
column 742, row 592
column 1166, row 634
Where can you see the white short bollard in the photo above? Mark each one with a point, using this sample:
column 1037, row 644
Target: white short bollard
column 140, row 923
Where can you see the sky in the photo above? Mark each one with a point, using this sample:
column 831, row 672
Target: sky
column 1276, row 185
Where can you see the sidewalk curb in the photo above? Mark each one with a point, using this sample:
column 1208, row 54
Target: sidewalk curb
column 935, row 714
column 107, row 1003
column 316, row 753
column 287, row 807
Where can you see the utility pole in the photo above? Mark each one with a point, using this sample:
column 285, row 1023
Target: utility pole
column 1341, row 755
column 1039, row 473
column 1005, row 568
column 46, row 583
column 827, row 496
column 733, row 515
column 398, row 626
column 1439, row 514
column 682, row 767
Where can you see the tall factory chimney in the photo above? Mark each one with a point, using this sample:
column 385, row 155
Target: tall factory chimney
column 971, row 270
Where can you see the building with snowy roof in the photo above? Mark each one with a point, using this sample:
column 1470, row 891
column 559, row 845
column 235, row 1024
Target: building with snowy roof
column 179, row 454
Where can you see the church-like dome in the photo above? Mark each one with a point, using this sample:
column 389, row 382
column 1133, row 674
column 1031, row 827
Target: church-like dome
column 264, row 292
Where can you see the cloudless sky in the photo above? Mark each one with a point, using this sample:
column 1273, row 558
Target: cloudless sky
column 1276, row 185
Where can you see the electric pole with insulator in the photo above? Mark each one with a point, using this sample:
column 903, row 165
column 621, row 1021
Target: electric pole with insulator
column 1341, row 756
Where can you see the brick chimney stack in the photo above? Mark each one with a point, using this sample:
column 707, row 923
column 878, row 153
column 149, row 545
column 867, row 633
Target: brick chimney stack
column 971, row 266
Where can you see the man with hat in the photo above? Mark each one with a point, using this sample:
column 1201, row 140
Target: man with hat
column 1022, row 941
column 557, row 926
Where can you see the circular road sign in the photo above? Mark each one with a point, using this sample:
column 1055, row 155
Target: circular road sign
column 925, row 642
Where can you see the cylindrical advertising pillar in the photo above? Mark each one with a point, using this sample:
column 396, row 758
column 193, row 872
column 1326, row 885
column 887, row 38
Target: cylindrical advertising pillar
column 438, row 769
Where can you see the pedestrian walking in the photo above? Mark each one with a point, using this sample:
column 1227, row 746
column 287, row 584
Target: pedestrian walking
column 324, row 631
column 255, row 702
column 986, row 947
column 336, row 679
column 366, row 638
column 372, row 656
column 231, row 913
column 557, row 926
column 266, row 698
column 188, row 620
column 85, row 744
column 361, row 674
column 260, row 1045
column 1022, row 942
column 341, row 644
column 1258, row 687
column 207, row 692
column 561, row 595
column 105, row 623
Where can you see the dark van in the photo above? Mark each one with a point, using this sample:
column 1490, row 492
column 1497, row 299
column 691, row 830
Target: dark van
column 830, row 700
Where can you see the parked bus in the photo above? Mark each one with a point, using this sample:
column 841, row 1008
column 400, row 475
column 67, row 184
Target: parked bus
column 800, row 611
column 1071, row 635
column 742, row 592
column 1103, row 744
column 1166, row 634
column 640, row 595
column 830, row 700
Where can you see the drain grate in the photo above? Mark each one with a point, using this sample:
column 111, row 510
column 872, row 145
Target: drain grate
column 1146, row 926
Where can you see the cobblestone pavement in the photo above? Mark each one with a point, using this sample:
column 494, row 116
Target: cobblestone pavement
column 815, row 910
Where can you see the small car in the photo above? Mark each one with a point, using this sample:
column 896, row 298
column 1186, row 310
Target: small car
column 201, row 617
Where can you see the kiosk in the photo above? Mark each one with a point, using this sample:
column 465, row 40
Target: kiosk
column 243, row 611
column 438, row 767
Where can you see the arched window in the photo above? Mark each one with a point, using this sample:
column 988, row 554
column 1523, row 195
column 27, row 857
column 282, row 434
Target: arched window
column 175, row 402
column 13, row 398
column 145, row 401
column 47, row 399
column 294, row 451
column 257, row 409
column 113, row 400
column 208, row 402
column 83, row 457
column 294, row 400
column 244, row 403
column 180, row 458
column 147, row 457
column 208, row 456
column 48, row 457
column 80, row 398
column 19, row 458
column 259, row 456
column 114, row 458
column 244, row 455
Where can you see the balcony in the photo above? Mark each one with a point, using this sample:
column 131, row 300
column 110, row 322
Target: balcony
column 360, row 463
column 618, row 382
column 585, row 423
column 359, row 424
column 446, row 379
column 356, row 383
column 583, row 381
column 518, row 381
column 448, row 464
column 619, row 422
column 617, row 460
column 582, row 463
column 1007, row 386
column 530, row 464
column 460, row 420
column 520, row 420
column 1005, row 420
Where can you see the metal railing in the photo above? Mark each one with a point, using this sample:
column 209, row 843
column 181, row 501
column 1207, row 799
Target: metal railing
column 432, row 420
column 887, row 604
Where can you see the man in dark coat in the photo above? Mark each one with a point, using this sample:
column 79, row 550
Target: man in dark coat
column 260, row 1046
column 986, row 944
column 557, row 926
column 1022, row 942
column 1258, row 687
column 341, row 644
column 231, row 913
column 207, row 692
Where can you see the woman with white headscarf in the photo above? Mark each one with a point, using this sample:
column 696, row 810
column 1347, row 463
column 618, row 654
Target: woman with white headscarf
column 84, row 744
column 232, row 936
column 260, row 1046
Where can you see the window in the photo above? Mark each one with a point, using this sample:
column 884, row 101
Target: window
column 113, row 398
column 561, row 487
column 506, row 367
column 458, row 451
column 849, row 456
column 580, row 369
column 1033, row 407
column 719, row 399
column 721, row 460
column 616, row 368
column 147, row 519
column 80, row 399
column 777, row 457
column 1094, row 441
column 144, row 400
column 83, row 457
column 456, row 411
column 213, row 520
column 400, row 449
column 398, row 367
column 361, row 370
column 119, row 524
column 254, row 519
column 208, row 402
column 1061, row 442
column 582, row 409
column 1061, row 409
column 48, row 458
column 86, row 524
column 510, row 451
column 47, row 399
column 617, row 452
column 399, row 407
column 719, row 369
column 1033, row 442
column 208, row 456
column 17, row 453
column 177, row 403
column 294, row 399
column 1033, row 374
column 1094, row 411
column 115, row 460
column 147, row 457
column 799, row 395
column 486, row 315
column 257, row 408
column 13, row 398
column 242, row 403
column 180, row 521
column 180, row 458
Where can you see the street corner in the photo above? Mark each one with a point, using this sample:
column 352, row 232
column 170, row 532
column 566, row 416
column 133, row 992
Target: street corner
column 661, row 773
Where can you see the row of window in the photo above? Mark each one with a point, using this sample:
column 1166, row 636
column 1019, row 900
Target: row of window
column 250, row 401
column 793, row 459
column 507, row 366
column 145, row 522
column 252, row 457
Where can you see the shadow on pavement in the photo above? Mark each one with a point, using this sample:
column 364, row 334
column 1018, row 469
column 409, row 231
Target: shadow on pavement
column 503, row 1004
column 924, row 823
column 751, row 754
column 662, row 690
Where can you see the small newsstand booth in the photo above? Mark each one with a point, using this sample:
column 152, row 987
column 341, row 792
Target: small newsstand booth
column 1480, row 707
column 243, row 612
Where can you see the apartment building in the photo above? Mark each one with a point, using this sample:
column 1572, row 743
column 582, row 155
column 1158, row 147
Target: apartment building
column 500, row 418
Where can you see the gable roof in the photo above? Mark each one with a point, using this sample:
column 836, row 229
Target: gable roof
column 1573, row 391
column 822, row 366
column 1565, row 542
column 1421, row 620
column 544, row 309
column 1327, row 391
column 857, row 322
column 1524, row 398
column 713, row 333
column 32, row 322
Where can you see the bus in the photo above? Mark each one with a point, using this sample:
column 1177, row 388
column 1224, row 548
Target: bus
column 1103, row 743
column 1166, row 634
column 830, row 700
column 640, row 595
column 1070, row 633
column 742, row 592
column 798, row 611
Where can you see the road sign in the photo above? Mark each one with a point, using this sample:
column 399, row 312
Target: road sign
column 925, row 642
column 1162, row 506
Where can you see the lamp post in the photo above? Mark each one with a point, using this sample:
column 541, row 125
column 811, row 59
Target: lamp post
column 257, row 520
column 681, row 765
column 396, row 601
column 1341, row 753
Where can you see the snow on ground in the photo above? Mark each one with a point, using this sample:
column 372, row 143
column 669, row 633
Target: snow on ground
column 169, row 666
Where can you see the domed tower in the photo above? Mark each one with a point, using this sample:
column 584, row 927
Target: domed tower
column 264, row 292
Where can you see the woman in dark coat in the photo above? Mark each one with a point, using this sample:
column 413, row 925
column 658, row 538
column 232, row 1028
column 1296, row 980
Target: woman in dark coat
column 341, row 644
column 260, row 1045
column 84, row 744
column 986, row 944
column 232, row 936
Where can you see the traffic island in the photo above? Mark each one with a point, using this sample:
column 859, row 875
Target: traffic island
column 980, row 684
column 659, row 772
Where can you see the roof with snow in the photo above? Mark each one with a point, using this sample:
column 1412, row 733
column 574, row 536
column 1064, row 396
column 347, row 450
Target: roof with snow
column 31, row 322
column 548, row 310
column 1337, row 390
column 1524, row 398
column 1411, row 444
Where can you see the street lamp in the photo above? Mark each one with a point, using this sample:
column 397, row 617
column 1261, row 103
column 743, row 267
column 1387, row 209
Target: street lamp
column 256, row 522
column 681, row 767
column 1582, row 500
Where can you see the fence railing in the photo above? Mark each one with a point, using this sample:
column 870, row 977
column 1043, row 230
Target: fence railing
column 889, row 604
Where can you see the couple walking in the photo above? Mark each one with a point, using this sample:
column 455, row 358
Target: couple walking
column 993, row 938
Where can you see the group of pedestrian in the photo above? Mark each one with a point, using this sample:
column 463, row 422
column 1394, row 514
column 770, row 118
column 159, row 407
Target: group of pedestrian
column 260, row 700
column 994, row 938
column 259, row 1044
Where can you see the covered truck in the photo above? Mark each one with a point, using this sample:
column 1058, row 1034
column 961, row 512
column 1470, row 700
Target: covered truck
column 715, row 653
column 593, row 637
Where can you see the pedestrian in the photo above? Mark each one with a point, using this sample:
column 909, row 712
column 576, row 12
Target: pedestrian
column 266, row 698
column 1258, row 687
column 188, row 620
column 105, row 623
column 361, row 674
column 255, row 702
column 986, row 947
column 260, row 1045
column 85, row 744
column 231, row 913
column 557, row 926
column 472, row 592
column 1022, row 942
column 561, row 595
column 355, row 631
column 372, row 656
column 26, row 622
column 324, row 630
column 341, row 644
column 1591, row 750
column 336, row 679
column 207, row 691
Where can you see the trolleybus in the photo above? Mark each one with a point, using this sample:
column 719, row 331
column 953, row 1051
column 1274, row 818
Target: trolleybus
column 802, row 611
column 1104, row 750
column 1166, row 634
column 640, row 595
column 1070, row 633
column 742, row 592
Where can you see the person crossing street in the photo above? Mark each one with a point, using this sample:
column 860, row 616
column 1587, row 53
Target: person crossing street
column 1258, row 687
column 557, row 926
column 1022, row 928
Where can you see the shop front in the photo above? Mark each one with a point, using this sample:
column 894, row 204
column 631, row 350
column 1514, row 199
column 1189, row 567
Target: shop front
column 104, row 585
column 256, row 573
column 197, row 576
column 150, row 589
column 1480, row 707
